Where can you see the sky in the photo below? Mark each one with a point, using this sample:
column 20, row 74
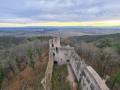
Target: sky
column 59, row 13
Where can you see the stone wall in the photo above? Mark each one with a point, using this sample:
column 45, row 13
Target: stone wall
column 90, row 80
column 87, row 77
column 48, row 74
column 62, row 54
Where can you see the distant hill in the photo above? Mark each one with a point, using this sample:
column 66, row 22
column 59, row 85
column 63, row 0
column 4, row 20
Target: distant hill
column 40, row 38
column 115, row 38
column 61, row 31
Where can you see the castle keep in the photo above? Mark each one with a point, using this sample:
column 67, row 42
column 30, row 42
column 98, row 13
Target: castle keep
column 87, row 77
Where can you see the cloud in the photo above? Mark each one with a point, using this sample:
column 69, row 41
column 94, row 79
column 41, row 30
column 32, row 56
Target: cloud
column 37, row 11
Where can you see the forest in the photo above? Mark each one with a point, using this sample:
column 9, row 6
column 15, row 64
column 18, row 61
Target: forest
column 19, row 55
column 16, row 54
column 102, row 52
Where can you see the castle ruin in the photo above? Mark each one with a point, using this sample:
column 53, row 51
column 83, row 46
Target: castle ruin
column 87, row 77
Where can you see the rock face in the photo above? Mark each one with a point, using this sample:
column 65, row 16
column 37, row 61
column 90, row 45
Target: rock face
column 87, row 77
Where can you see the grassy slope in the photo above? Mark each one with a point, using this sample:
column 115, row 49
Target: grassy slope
column 30, row 79
column 59, row 81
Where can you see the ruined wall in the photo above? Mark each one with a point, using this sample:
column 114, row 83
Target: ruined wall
column 77, row 64
column 48, row 74
column 62, row 54
column 53, row 43
column 87, row 77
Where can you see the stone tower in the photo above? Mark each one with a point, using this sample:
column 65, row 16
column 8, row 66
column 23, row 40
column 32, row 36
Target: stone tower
column 53, row 43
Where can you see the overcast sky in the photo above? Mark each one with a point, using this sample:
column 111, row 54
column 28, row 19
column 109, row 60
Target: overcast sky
column 35, row 11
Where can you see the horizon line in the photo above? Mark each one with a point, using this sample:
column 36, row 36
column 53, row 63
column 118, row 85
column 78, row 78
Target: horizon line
column 56, row 26
column 63, row 24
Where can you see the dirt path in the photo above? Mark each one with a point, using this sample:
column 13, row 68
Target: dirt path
column 70, row 77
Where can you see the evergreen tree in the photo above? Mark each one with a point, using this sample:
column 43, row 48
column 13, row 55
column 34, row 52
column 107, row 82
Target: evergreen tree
column 105, row 43
column 116, row 79
column 11, row 68
column 1, row 75
column 30, row 55
column 17, row 61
